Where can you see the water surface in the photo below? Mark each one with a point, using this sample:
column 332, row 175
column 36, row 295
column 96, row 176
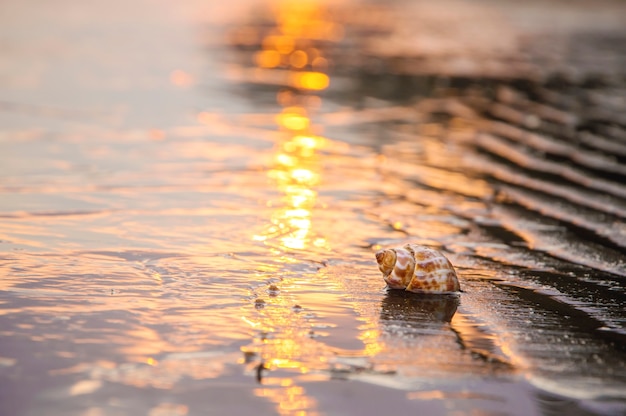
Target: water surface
column 190, row 207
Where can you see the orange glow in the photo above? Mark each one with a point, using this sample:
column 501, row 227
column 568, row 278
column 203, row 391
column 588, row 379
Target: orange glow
column 427, row 395
column 293, row 121
column 267, row 59
column 282, row 44
column 181, row 78
column 284, row 98
column 298, row 59
column 320, row 64
column 309, row 142
column 285, row 45
column 310, row 80
column 157, row 134
column 206, row 118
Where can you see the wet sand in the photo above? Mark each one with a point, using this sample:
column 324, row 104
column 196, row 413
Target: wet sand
column 189, row 209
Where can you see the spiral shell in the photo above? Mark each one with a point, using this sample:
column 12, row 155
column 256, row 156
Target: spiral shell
column 417, row 269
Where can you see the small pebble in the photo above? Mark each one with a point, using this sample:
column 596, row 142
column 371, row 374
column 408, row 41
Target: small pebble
column 249, row 356
column 273, row 290
column 259, row 372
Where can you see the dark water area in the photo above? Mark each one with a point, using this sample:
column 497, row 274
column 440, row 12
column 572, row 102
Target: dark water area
column 191, row 196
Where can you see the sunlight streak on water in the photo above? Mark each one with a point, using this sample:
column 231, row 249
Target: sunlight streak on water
column 296, row 173
column 222, row 246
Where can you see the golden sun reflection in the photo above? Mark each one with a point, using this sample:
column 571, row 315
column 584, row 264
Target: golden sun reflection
column 292, row 53
column 292, row 47
column 296, row 172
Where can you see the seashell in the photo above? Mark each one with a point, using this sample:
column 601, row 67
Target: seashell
column 417, row 269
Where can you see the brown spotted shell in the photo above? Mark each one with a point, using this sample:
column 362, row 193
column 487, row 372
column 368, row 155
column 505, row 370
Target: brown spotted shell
column 417, row 269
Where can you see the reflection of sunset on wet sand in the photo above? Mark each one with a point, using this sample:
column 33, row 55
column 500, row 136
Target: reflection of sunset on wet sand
column 192, row 195
column 299, row 349
column 296, row 172
column 292, row 47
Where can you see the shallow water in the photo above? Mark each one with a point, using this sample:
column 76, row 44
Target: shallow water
column 185, row 229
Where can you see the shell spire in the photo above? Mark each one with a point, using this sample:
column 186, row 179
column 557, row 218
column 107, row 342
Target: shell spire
column 417, row 269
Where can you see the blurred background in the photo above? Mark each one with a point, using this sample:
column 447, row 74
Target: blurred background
column 192, row 193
